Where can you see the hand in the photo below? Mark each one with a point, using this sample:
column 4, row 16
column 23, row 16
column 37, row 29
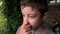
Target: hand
column 26, row 28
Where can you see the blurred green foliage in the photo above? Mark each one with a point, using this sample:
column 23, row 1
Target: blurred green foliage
column 3, row 27
column 11, row 16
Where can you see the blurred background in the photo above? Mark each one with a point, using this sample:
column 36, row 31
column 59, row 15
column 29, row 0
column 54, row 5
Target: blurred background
column 11, row 18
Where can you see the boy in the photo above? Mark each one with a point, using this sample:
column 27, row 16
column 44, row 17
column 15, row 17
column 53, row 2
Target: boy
column 34, row 12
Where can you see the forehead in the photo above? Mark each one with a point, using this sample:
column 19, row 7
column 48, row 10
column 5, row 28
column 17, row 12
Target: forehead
column 28, row 9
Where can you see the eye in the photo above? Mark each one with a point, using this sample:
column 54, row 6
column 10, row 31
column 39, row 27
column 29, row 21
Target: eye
column 31, row 16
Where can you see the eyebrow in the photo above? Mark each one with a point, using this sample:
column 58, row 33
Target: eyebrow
column 31, row 14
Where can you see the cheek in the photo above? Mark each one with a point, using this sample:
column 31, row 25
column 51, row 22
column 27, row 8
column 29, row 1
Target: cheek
column 34, row 22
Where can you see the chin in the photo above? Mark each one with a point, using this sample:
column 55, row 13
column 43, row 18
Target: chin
column 35, row 27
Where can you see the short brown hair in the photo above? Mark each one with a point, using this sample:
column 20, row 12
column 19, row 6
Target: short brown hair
column 40, row 5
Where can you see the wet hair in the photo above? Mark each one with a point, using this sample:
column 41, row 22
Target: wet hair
column 40, row 5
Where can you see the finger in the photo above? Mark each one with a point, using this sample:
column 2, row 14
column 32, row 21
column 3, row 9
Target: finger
column 29, row 32
column 28, row 26
column 26, row 30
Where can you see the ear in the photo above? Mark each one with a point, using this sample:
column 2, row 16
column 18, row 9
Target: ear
column 45, row 15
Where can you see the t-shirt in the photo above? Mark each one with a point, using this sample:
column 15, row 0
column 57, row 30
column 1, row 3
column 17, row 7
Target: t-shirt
column 47, row 31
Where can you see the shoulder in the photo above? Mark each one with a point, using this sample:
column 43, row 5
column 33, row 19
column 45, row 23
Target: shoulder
column 18, row 30
column 47, row 31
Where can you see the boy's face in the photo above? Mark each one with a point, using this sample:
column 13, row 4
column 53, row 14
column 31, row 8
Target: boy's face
column 31, row 16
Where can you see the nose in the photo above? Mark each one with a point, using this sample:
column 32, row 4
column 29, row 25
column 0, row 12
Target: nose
column 25, row 20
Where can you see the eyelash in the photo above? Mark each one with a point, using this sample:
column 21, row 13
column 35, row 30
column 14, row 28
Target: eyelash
column 29, row 16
